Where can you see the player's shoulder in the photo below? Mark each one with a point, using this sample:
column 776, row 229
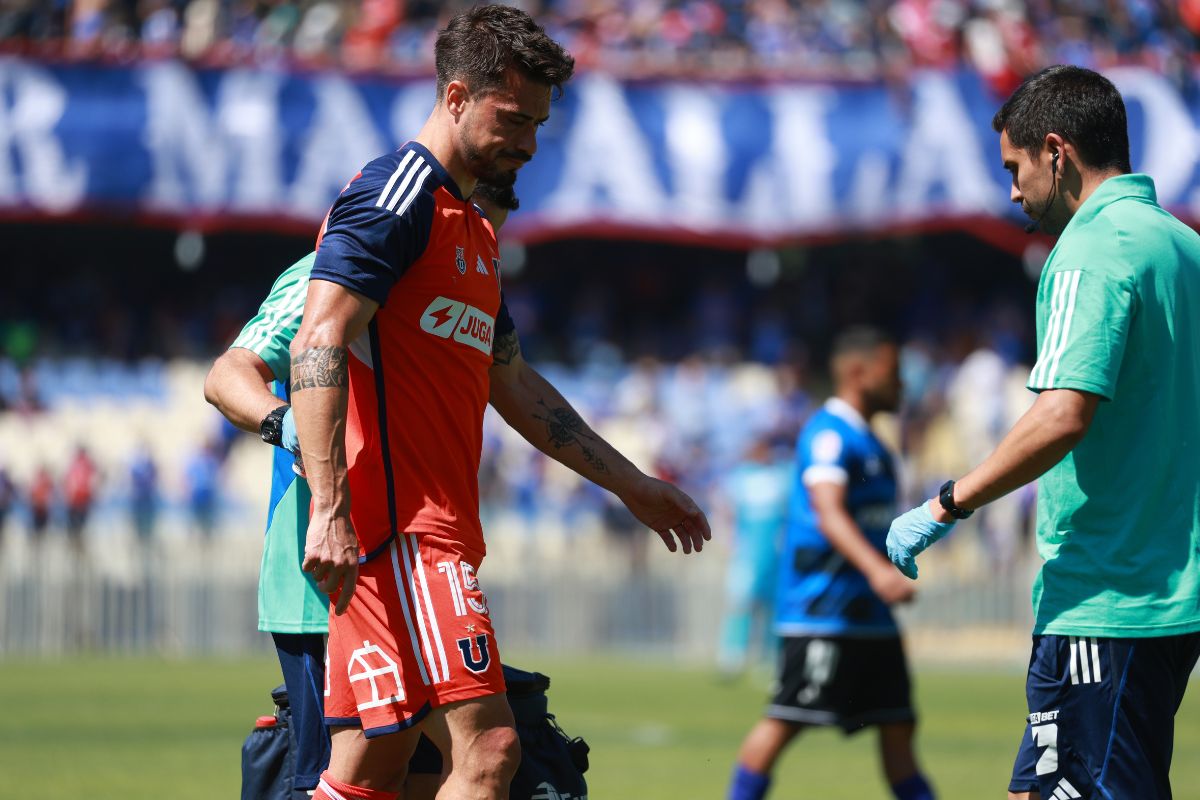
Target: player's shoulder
column 291, row 281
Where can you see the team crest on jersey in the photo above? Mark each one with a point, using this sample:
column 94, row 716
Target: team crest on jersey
column 460, row 260
column 467, row 648
column 479, row 267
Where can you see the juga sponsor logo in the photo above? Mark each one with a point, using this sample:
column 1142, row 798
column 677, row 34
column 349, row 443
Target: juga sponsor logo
column 446, row 319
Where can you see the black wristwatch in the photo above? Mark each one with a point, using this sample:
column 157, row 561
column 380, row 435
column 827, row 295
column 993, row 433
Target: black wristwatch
column 271, row 428
column 946, row 498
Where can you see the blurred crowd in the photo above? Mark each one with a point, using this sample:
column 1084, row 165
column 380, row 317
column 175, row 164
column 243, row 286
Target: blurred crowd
column 1004, row 39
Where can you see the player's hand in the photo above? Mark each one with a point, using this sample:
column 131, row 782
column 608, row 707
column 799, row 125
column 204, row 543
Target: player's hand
column 890, row 586
column 331, row 555
column 668, row 512
column 911, row 533
column 288, row 438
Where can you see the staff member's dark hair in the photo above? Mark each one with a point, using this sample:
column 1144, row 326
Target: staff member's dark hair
column 1079, row 105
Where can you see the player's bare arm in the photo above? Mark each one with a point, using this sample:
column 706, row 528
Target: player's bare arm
column 536, row 410
column 1057, row 421
column 238, row 385
column 333, row 317
column 828, row 500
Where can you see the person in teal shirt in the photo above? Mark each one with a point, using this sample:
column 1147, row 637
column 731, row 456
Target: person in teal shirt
column 1112, row 436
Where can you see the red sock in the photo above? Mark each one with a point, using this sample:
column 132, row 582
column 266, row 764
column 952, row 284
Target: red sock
column 329, row 789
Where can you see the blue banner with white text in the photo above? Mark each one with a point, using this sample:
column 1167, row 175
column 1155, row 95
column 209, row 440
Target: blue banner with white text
column 735, row 163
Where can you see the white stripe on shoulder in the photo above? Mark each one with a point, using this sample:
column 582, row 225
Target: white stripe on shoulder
column 416, row 189
column 395, row 177
column 1050, row 336
column 1072, row 281
column 409, row 173
column 291, row 303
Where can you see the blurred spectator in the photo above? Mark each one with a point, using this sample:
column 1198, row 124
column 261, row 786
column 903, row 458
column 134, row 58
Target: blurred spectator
column 41, row 499
column 143, row 493
column 79, row 488
column 1003, row 39
column 757, row 491
column 203, row 475
column 8, row 497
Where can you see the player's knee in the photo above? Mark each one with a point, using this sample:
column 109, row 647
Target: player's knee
column 1024, row 796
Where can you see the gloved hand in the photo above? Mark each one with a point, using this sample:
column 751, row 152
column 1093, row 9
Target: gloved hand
column 911, row 533
column 288, row 439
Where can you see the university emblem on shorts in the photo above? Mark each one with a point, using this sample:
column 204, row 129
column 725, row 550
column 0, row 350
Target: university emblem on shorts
column 460, row 260
column 369, row 663
column 468, row 655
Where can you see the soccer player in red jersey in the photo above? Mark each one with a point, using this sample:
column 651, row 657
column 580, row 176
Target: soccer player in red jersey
column 405, row 339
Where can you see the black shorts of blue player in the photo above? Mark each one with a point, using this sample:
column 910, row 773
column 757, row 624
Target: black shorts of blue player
column 1101, row 718
column 848, row 682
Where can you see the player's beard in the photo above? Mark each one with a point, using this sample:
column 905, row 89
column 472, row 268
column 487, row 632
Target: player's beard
column 486, row 169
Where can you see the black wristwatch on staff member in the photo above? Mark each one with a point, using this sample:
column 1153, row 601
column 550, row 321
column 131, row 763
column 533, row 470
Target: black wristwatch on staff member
column 946, row 498
column 271, row 428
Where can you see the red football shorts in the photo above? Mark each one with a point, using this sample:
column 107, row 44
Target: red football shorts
column 415, row 636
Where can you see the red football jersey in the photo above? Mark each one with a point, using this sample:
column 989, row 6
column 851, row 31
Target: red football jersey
column 402, row 235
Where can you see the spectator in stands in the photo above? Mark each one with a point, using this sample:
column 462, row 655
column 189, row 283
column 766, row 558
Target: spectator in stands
column 79, row 488
column 8, row 497
column 203, row 473
column 41, row 498
column 143, row 493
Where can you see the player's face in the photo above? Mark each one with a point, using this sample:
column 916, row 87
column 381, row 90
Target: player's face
column 500, row 133
column 1033, row 184
column 883, row 378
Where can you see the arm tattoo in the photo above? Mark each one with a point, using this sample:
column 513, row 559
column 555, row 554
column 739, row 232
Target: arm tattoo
column 506, row 348
column 320, row 368
column 565, row 427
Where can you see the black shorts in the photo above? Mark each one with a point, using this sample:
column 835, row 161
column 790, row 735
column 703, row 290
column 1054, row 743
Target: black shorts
column 848, row 682
column 1102, row 716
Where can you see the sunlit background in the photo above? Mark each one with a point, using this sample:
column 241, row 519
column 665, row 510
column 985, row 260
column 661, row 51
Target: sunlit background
column 722, row 188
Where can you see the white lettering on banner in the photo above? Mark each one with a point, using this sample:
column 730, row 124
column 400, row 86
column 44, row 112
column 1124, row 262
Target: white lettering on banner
column 943, row 149
column 792, row 186
column 41, row 174
column 229, row 156
column 340, row 140
column 181, row 137
column 1170, row 143
column 248, row 114
column 696, row 153
column 606, row 154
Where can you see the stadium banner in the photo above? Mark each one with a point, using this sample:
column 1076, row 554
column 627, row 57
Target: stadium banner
column 733, row 163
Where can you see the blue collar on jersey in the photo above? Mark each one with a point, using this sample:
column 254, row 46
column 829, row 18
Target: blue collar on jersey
column 443, row 177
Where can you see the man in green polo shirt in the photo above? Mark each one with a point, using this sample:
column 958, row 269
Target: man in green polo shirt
column 1113, row 436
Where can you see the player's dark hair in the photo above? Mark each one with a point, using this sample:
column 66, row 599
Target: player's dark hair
column 1079, row 105
column 859, row 339
column 478, row 47
column 503, row 196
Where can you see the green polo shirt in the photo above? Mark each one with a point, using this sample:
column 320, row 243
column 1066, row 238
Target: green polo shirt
column 1118, row 315
column 288, row 598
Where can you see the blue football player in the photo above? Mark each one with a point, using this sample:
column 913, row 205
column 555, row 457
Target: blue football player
column 842, row 660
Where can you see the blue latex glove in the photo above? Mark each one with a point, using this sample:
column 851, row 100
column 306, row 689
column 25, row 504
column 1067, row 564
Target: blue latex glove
column 911, row 533
column 288, row 439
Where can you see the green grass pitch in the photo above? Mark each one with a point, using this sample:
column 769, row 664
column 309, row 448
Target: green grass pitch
column 150, row 728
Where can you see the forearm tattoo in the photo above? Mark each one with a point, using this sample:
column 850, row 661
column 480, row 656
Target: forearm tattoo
column 320, row 368
column 565, row 428
column 506, row 348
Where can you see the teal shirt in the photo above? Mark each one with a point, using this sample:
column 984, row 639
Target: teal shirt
column 1118, row 315
column 288, row 598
